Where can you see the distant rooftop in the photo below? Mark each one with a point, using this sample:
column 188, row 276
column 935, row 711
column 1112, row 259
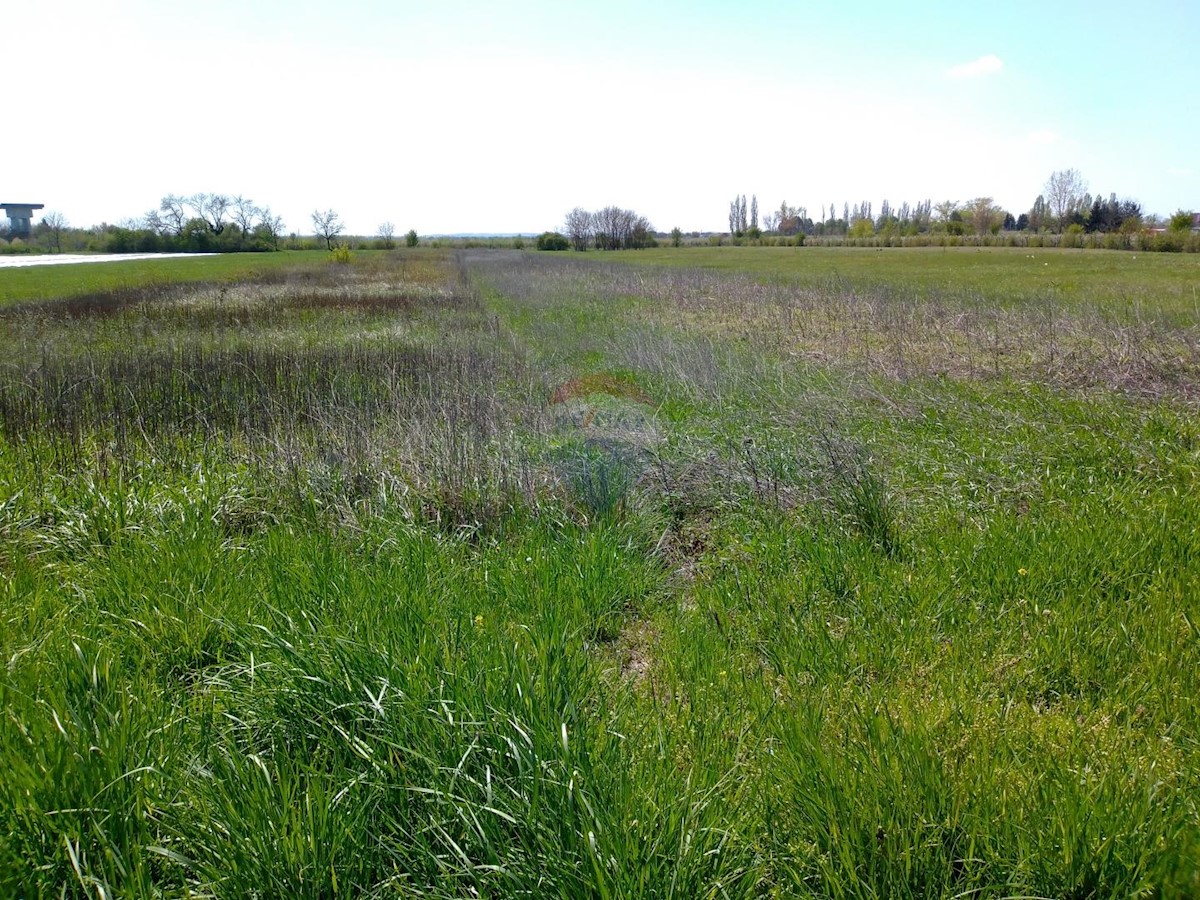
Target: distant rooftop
column 25, row 205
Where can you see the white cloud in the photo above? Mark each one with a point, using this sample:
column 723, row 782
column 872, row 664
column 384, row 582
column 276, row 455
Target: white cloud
column 985, row 65
column 1180, row 172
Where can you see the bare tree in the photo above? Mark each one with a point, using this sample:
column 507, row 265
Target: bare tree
column 580, row 227
column 55, row 223
column 611, row 228
column 386, row 232
column 152, row 221
column 327, row 225
column 211, row 208
column 195, row 204
column 1065, row 191
column 754, row 211
column 244, row 214
column 616, row 227
column 218, row 206
column 270, row 225
column 174, row 210
column 608, row 228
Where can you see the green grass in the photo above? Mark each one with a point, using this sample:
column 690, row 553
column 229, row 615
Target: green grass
column 503, row 574
column 46, row 282
column 999, row 274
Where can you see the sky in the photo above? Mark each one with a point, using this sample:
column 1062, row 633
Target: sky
column 477, row 117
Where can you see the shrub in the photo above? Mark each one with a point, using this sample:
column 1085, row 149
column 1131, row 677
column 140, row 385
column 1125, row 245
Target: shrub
column 1181, row 221
column 411, row 239
column 1171, row 242
column 861, row 229
column 552, row 240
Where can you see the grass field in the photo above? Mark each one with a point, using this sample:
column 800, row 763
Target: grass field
column 1001, row 275
column 693, row 573
column 49, row 282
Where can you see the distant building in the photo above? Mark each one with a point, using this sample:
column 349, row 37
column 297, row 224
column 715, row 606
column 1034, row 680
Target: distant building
column 20, row 217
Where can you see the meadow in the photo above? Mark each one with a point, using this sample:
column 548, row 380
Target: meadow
column 53, row 282
column 731, row 572
column 1001, row 275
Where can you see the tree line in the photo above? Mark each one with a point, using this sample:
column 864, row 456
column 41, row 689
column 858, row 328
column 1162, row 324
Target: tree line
column 611, row 228
column 1065, row 205
column 195, row 223
column 213, row 222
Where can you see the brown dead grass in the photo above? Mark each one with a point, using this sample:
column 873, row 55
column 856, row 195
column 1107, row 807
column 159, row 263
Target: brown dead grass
column 635, row 652
column 600, row 383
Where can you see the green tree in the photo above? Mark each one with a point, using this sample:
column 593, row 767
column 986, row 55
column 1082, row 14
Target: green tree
column 552, row 240
column 1039, row 213
column 411, row 239
column 862, row 228
column 1182, row 220
column 676, row 237
column 984, row 215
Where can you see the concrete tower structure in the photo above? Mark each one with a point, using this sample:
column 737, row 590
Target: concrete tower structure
column 20, row 217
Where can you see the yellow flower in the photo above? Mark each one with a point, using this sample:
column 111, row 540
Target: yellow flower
column 478, row 621
column 1022, row 571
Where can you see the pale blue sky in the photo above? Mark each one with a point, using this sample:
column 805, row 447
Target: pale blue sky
column 471, row 116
